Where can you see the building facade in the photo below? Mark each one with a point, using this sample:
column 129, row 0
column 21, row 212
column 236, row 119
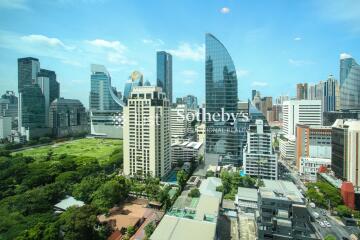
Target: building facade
column 221, row 95
column 345, row 157
column 283, row 213
column 68, row 117
column 5, row 127
column 349, row 83
column 164, row 73
column 179, row 124
column 186, row 152
column 147, row 141
column 105, row 107
column 259, row 157
column 306, row 112
column 312, row 142
column 136, row 79
column 302, row 91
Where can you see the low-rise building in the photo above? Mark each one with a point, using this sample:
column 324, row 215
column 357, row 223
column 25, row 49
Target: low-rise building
column 283, row 213
column 309, row 167
column 186, row 151
column 192, row 218
column 246, row 200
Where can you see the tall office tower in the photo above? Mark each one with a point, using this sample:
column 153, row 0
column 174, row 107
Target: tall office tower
column 301, row 91
column 307, row 112
column 136, row 79
column 253, row 93
column 345, row 157
column 257, row 101
column 105, row 106
column 9, row 105
column 179, row 124
column 164, row 73
column 221, row 95
column 281, row 99
column 32, row 111
column 277, row 113
column 31, row 108
column 191, row 102
column 349, row 83
column 313, row 149
column 54, row 86
column 266, row 105
column 28, row 68
column 147, row 147
column 68, row 117
column 259, row 157
column 331, row 97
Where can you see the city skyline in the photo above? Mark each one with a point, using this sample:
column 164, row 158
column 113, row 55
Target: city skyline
column 299, row 51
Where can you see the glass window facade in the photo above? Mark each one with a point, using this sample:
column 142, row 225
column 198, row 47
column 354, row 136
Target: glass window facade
column 164, row 73
column 102, row 95
column 221, row 95
column 349, row 84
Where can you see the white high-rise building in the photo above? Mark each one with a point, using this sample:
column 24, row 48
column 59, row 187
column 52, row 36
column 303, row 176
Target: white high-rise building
column 147, row 147
column 259, row 157
column 5, row 127
column 179, row 124
column 306, row 112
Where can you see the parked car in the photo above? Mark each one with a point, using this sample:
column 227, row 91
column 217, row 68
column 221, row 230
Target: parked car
column 322, row 224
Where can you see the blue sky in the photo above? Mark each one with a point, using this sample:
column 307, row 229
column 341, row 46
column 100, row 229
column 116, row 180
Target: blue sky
column 274, row 44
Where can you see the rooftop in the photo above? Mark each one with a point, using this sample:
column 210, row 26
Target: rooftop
column 68, row 202
column 247, row 194
column 281, row 190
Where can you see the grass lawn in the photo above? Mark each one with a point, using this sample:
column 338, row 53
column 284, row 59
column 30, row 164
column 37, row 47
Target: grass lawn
column 86, row 147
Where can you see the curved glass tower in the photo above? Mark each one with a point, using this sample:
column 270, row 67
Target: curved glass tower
column 221, row 96
column 102, row 96
column 349, row 83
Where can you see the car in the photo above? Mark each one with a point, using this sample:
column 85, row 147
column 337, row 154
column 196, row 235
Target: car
column 327, row 224
column 322, row 224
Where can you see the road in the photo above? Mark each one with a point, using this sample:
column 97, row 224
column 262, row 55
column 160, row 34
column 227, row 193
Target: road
column 336, row 229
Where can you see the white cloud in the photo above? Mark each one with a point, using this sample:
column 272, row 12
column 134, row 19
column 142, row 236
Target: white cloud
column 298, row 62
column 345, row 55
column 114, row 50
column 191, row 52
column 259, row 84
column 225, row 10
column 41, row 39
column 114, row 45
column 297, row 39
column 14, row 4
column 74, row 53
column 241, row 73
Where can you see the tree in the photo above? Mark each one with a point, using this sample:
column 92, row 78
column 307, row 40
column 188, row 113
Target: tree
column 330, row 237
column 110, row 193
column 149, row 229
column 78, row 223
column 343, row 211
column 181, row 178
column 88, row 185
column 194, row 193
column 210, row 174
column 130, row 230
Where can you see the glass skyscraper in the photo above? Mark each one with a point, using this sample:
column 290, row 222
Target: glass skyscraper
column 32, row 109
column 102, row 95
column 221, row 95
column 349, row 83
column 136, row 79
column 164, row 73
